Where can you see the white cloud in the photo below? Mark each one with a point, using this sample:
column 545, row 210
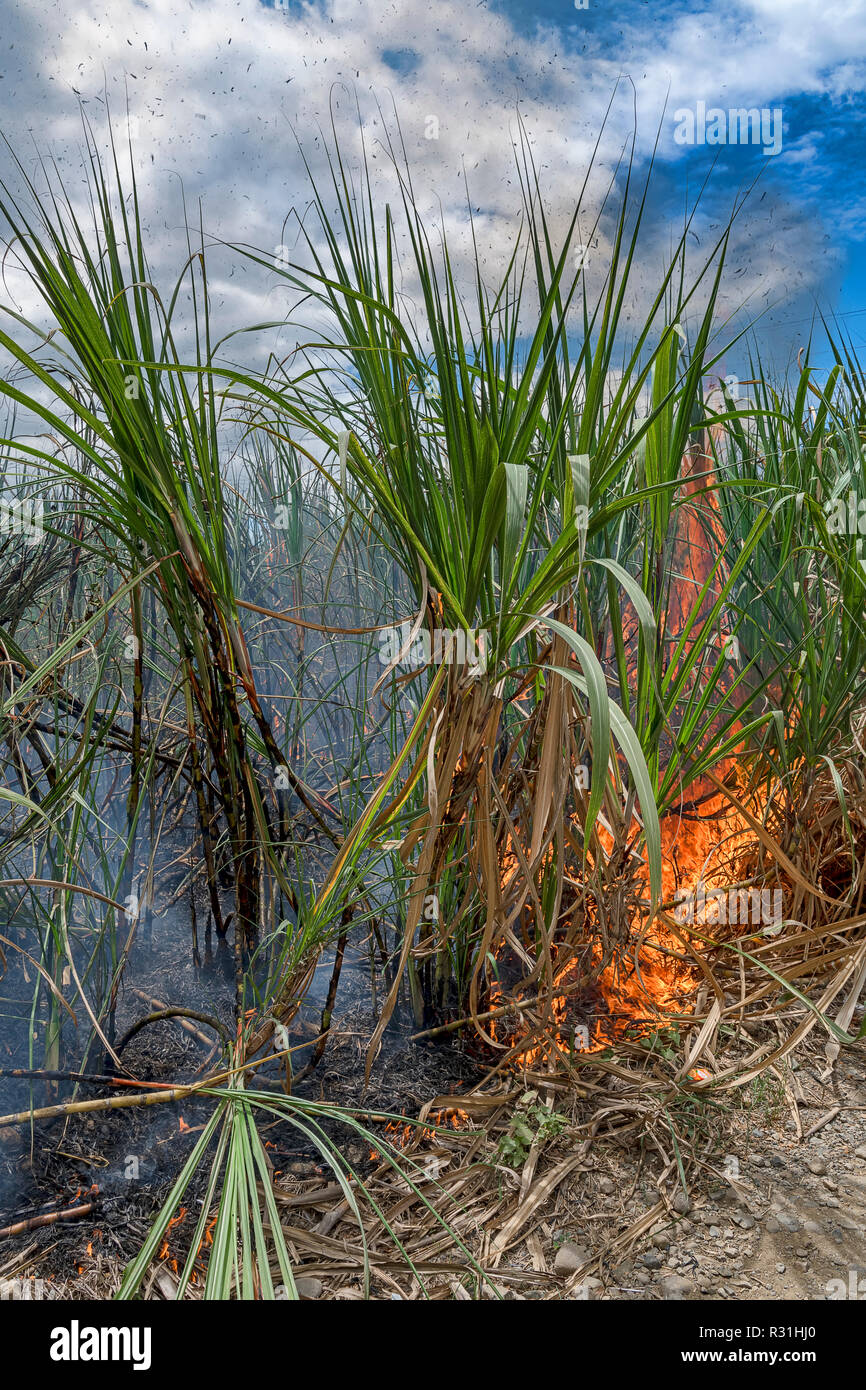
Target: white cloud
column 217, row 87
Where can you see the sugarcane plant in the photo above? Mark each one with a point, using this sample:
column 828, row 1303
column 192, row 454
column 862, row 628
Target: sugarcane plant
column 146, row 445
column 500, row 464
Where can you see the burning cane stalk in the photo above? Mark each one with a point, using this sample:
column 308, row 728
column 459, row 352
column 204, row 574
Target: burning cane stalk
column 158, row 1096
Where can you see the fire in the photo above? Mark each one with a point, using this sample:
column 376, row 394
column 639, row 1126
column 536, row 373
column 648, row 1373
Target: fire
column 635, row 974
column 400, row 1136
column 455, row 1117
column 648, row 978
column 165, row 1251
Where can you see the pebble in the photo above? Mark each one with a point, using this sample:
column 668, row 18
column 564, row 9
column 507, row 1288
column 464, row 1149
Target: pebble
column 607, row 1186
column 570, row 1257
column 308, row 1287
column 12, row 1141
column 860, row 1151
column 745, row 1222
column 661, row 1240
column 653, row 1260
column 681, row 1204
column 789, row 1222
column 816, row 1166
column 586, row 1287
column 780, row 1268
column 490, row 1290
column 675, row 1287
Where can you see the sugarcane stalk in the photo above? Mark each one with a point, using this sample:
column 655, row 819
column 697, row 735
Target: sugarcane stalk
column 89, row 1107
column 204, row 818
column 32, row 1223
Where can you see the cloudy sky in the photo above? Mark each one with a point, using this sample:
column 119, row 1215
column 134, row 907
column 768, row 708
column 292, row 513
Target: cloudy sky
column 219, row 91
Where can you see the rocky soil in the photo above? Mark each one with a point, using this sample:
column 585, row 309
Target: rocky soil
column 781, row 1216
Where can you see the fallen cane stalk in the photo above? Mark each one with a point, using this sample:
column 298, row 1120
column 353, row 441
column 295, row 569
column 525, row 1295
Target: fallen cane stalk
column 32, row 1222
column 452, row 1027
column 183, row 1016
column 82, row 1077
column 80, row 1107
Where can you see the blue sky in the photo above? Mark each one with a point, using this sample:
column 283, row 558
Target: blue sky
column 218, row 89
column 806, row 60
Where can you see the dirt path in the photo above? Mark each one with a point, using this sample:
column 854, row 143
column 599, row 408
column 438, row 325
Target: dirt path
column 784, row 1217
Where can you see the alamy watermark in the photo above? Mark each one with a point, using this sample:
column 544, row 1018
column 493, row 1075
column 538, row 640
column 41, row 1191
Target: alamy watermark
column 23, row 517
column 854, row 1288
column 77, row 1343
column 730, row 906
column 738, row 126
column 458, row 646
column 846, row 516
column 17, row 1290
